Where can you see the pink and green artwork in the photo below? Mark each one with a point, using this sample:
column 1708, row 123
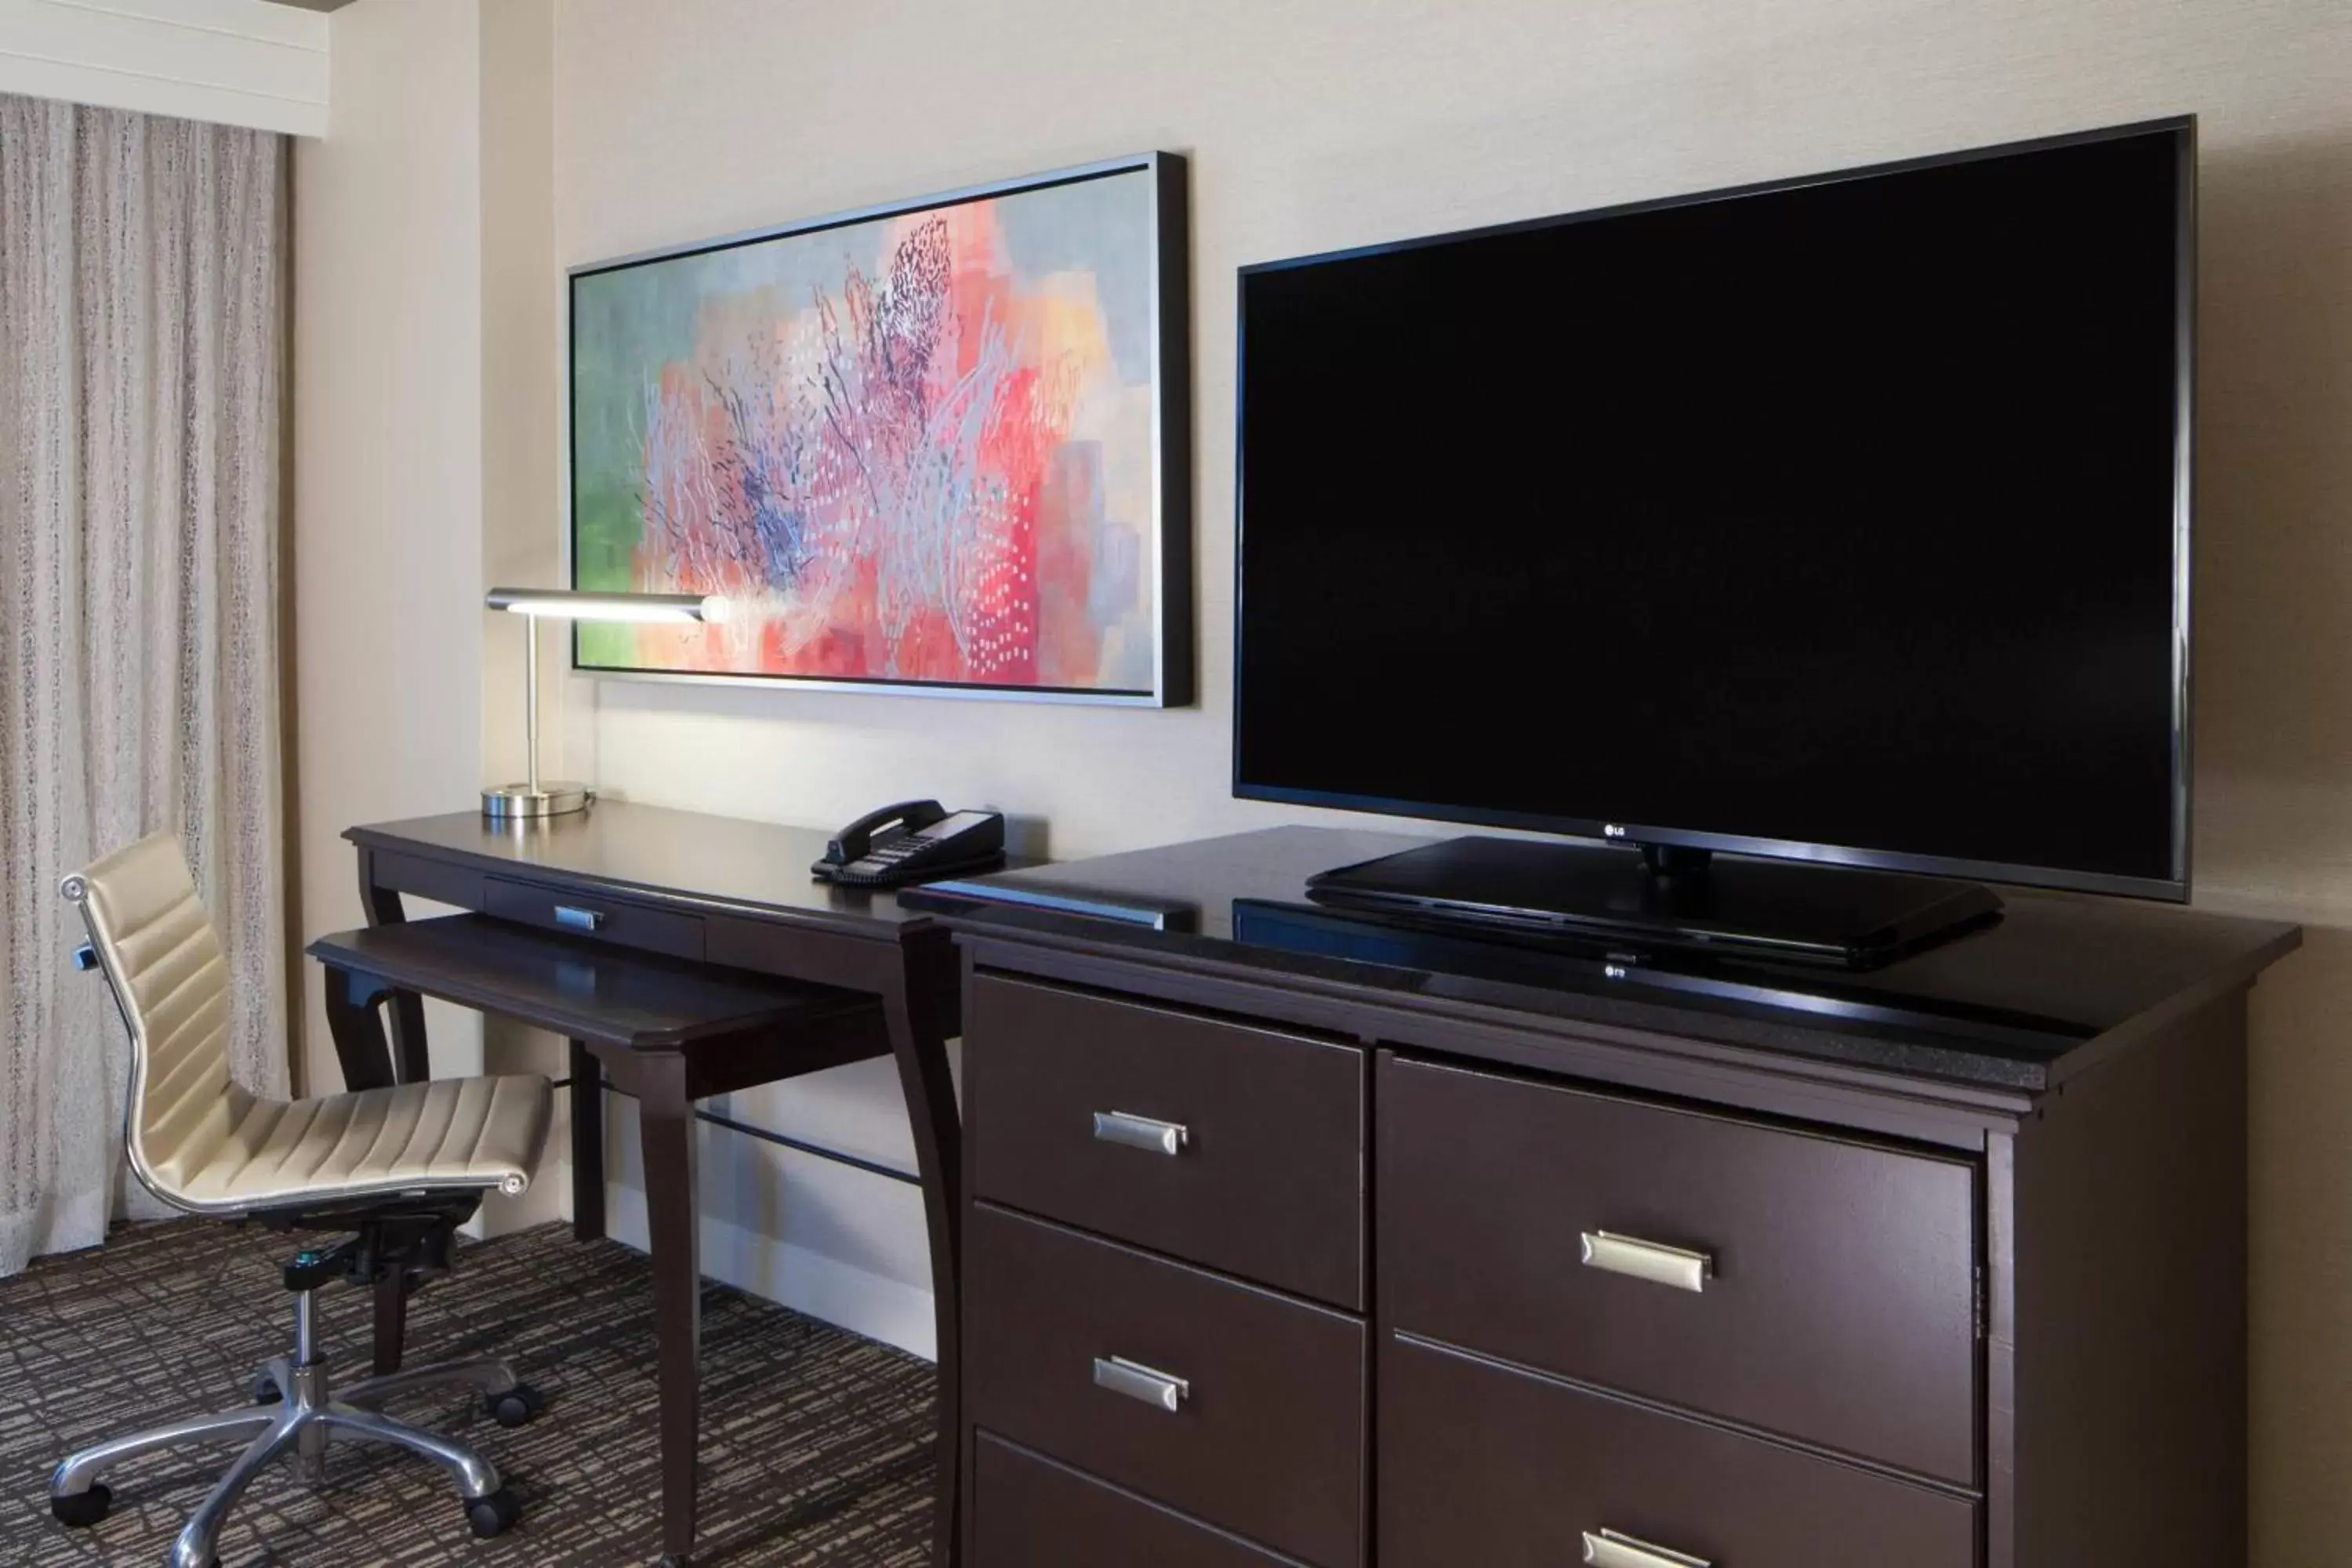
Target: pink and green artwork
column 930, row 447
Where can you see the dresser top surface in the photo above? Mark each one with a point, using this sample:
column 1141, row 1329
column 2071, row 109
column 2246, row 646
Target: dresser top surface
column 2057, row 984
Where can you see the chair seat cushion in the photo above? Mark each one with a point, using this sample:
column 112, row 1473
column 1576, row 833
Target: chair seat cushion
column 436, row 1134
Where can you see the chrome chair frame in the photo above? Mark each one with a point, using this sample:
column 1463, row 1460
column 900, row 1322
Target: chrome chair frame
column 307, row 1414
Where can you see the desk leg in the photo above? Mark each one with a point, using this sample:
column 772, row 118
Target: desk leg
column 358, row 1031
column 383, row 907
column 402, row 1059
column 587, row 1144
column 666, row 1129
column 918, row 1025
column 390, row 1323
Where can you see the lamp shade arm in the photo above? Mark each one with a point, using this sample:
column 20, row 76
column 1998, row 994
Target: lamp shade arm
column 567, row 605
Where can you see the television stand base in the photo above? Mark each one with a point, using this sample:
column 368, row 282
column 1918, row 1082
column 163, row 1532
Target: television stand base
column 1662, row 897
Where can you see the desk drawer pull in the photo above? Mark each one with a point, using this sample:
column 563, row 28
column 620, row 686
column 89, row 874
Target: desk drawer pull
column 1136, row 1381
column 577, row 919
column 1141, row 1132
column 1651, row 1260
column 1609, row 1548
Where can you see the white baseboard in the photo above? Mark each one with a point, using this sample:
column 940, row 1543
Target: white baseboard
column 826, row 1288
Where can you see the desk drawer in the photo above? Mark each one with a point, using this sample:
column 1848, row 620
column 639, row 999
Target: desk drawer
column 1029, row 1512
column 1265, row 1179
column 616, row 920
column 1838, row 1306
column 1480, row 1464
column 1266, row 1435
column 461, row 887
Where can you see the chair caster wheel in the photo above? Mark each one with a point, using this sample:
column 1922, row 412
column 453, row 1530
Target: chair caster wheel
column 80, row 1511
column 265, row 1389
column 492, row 1513
column 516, row 1407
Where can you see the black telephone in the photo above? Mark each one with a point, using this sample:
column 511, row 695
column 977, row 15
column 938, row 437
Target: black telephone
column 909, row 842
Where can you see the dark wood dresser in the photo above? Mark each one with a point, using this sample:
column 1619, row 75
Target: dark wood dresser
column 1294, row 1238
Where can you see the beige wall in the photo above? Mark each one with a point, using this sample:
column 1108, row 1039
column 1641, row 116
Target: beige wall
column 521, row 358
column 1316, row 123
column 522, row 394
column 387, row 519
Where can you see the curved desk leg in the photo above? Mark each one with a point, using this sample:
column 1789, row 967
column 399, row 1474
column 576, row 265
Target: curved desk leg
column 358, row 1031
column 381, row 905
column 914, row 1007
column 357, row 1028
column 403, row 1063
column 666, row 1131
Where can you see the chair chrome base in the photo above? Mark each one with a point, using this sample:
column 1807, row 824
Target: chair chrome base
column 306, row 1416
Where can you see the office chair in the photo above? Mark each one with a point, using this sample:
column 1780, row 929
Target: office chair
column 400, row 1168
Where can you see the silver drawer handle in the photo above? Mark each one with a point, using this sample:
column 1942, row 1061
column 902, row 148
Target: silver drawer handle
column 578, row 919
column 1609, row 1548
column 1137, row 1381
column 1141, row 1132
column 1652, row 1261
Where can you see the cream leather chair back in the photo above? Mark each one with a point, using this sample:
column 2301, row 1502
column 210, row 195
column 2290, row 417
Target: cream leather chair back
column 203, row 1144
column 150, row 931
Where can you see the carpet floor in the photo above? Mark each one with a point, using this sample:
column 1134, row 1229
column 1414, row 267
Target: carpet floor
column 816, row 1443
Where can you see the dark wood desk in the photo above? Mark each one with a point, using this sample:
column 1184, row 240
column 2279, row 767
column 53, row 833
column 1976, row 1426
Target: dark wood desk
column 668, row 1031
column 701, row 891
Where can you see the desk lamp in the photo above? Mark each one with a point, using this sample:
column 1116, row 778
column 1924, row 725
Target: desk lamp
column 554, row 797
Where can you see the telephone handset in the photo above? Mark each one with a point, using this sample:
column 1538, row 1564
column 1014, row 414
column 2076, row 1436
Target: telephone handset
column 909, row 842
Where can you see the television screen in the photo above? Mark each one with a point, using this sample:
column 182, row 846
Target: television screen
column 1845, row 519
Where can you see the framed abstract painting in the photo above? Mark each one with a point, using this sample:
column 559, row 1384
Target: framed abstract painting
column 941, row 445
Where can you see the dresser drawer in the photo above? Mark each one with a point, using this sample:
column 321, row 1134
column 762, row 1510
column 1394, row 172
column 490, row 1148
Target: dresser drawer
column 1837, row 1302
column 1484, row 1465
column 1063, row 1335
column 586, row 914
column 1240, row 1147
column 1030, row 1512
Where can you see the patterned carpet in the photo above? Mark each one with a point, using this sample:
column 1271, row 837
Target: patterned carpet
column 816, row 1443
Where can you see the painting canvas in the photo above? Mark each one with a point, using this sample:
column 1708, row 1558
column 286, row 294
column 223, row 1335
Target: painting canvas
column 936, row 446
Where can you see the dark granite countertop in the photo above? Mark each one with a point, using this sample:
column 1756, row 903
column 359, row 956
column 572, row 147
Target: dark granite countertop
column 2056, row 984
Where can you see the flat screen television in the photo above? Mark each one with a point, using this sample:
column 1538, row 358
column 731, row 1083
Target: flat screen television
column 1838, row 520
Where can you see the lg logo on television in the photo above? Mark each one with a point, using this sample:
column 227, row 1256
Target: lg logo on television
column 1611, row 830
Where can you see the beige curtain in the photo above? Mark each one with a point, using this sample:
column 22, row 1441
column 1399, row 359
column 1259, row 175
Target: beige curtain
column 140, row 326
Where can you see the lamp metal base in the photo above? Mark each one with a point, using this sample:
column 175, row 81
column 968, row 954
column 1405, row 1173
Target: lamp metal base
column 554, row 797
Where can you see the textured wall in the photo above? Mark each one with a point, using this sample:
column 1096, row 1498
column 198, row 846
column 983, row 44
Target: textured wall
column 387, row 527
column 1316, row 123
column 521, row 379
